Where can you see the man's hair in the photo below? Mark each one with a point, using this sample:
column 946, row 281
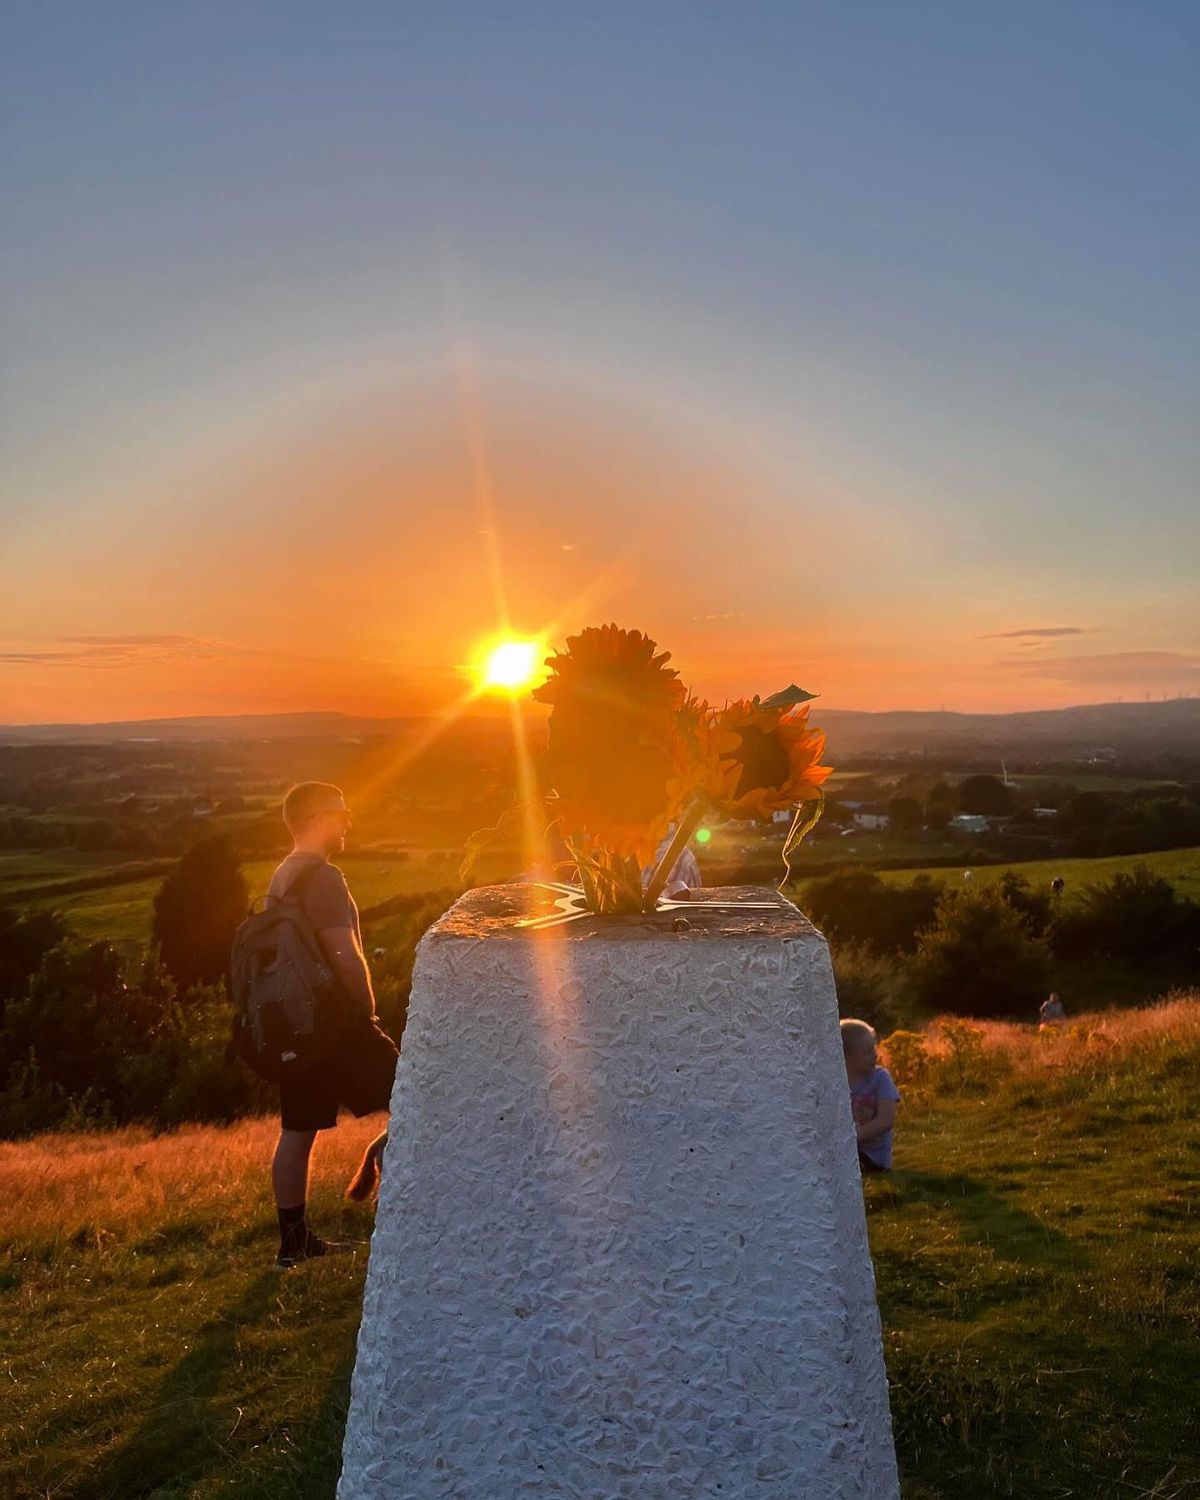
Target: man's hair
column 853, row 1031
column 306, row 800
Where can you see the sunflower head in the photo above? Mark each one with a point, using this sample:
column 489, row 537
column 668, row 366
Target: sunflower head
column 763, row 759
column 614, row 739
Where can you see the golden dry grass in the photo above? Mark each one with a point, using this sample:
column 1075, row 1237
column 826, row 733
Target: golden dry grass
column 113, row 1184
column 949, row 1048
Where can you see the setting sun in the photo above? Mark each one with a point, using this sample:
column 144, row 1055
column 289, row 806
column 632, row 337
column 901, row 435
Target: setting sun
column 510, row 665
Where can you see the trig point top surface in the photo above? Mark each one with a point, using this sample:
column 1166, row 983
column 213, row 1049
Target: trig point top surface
column 531, row 909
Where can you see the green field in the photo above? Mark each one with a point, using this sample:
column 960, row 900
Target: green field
column 121, row 911
column 1035, row 1253
column 1180, row 866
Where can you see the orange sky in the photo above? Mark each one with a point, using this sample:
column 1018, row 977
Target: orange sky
column 860, row 353
column 351, row 563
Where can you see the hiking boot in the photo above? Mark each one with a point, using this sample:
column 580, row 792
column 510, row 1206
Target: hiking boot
column 312, row 1247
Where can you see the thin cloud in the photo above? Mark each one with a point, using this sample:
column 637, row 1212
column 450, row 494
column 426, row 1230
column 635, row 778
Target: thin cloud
column 1170, row 670
column 133, row 640
column 114, row 650
column 1040, row 631
column 105, row 652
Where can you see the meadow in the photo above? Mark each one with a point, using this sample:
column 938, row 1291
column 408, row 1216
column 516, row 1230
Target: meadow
column 1035, row 1254
column 1180, row 866
column 115, row 902
column 119, row 906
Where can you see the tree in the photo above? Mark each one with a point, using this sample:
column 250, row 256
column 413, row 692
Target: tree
column 1035, row 908
column 906, row 816
column 985, row 795
column 855, row 907
column 197, row 909
column 1087, row 810
column 1137, row 917
column 979, row 959
column 939, row 805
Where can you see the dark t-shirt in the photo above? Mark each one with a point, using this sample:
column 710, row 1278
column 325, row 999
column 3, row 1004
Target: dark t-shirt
column 327, row 900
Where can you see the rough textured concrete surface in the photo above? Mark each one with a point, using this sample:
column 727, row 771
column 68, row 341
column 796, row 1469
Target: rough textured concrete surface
column 620, row 1248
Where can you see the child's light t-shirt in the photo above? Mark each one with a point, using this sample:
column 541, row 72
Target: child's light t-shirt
column 864, row 1106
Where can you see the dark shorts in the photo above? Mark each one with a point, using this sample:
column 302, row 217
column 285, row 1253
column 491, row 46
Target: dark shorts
column 865, row 1164
column 359, row 1078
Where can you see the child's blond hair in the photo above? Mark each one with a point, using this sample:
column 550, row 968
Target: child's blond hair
column 853, row 1031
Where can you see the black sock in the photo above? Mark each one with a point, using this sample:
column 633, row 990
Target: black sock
column 292, row 1229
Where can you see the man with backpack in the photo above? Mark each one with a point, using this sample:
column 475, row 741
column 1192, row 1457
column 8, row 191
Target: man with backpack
column 306, row 1006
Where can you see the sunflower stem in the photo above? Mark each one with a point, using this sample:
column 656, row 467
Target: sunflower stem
column 807, row 816
column 684, row 829
column 586, row 874
column 610, row 884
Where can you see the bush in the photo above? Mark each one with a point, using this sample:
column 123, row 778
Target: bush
column 906, row 1054
column 979, row 959
column 90, row 1039
column 25, row 939
column 873, row 988
column 84, row 1043
column 1035, row 908
column 856, row 908
column 1137, row 917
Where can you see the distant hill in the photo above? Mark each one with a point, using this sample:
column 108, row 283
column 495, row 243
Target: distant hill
column 303, row 726
column 1121, row 729
column 1095, row 731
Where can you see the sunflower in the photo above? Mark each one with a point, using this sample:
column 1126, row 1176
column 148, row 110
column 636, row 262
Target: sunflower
column 762, row 759
column 614, row 750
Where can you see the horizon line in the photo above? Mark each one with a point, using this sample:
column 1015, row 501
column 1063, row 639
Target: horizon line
column 501, row 712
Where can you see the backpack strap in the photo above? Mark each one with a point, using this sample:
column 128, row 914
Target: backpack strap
column 294, row 895
column 297, row 887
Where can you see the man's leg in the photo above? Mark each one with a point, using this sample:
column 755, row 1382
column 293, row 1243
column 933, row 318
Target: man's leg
column 289, row 1168
column 307, row 1104
column 289, row 1178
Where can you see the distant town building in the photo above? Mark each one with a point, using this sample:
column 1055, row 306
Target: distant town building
column 1045, row 812
column 871, row 821
column 969, row 823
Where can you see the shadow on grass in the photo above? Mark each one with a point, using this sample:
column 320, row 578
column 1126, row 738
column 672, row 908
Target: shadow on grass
column 985, row 1216
column 182, row 1437
column 315, row 1458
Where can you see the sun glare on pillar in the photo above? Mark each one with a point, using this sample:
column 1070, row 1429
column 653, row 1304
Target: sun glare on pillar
column 509, row 666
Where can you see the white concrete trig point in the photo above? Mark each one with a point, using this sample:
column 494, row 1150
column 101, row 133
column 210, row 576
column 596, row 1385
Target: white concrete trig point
column 620, row 1248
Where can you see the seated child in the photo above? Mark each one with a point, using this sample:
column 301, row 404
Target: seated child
column 873, row 1097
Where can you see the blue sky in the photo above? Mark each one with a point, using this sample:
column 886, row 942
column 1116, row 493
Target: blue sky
column 920, row 279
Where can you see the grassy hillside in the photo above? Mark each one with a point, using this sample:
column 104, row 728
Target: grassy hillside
column 1180, row 866
column 1035, row 1253
column 119, row 907
column 121, row 912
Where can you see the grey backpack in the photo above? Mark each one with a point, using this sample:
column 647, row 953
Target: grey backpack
column 288, row 1012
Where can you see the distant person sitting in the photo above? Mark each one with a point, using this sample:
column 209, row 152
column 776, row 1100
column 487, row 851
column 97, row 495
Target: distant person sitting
column 873, row 1097
column 1052, row 1011
column 685, row 872
column 359, row 1071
